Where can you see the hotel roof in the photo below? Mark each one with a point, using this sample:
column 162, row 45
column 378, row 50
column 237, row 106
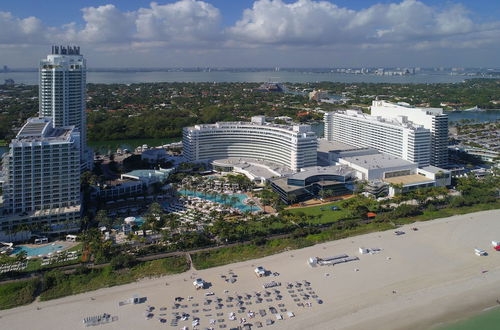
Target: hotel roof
column 379, row 160
column 399, row 121
column 289, row 128
column 41, row 129
column 307, row 172
column 326, row 146
column 408, row 179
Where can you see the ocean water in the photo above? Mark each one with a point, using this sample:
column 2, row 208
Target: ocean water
column 488, row 320
column 31, row 78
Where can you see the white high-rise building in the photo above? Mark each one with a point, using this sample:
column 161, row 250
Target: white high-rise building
column 395, row 136
column 291, row 146
column 433, row 119
column 41, row 179
column 62, row 93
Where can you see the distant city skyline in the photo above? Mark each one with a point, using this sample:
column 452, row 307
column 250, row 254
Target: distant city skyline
column 261, row 33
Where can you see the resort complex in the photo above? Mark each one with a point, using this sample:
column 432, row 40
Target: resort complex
column 203, row 164
column 230, row 191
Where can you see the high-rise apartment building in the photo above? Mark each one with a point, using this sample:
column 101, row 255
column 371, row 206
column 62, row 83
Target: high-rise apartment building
column 62, row 93
column 395, row 136
column 41, row 174
column 433, row 119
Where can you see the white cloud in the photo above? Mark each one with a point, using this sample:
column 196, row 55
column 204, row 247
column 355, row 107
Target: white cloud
column 321, row 23
column 314, row 27
column 179, row 22
column 106, row 24
column 182, row 22
column 15, row 30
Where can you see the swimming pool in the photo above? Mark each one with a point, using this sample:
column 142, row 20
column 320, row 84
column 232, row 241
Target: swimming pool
column 239, row 204
column 39, row 250
column 139, row 221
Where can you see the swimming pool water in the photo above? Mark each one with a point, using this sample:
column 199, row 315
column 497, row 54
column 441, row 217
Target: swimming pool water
column 239, row 204
column 41, row 250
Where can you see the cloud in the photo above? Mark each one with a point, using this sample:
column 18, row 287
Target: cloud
column 313, row 26
column 15, row 30
column 179, row 22
column 106, row 24
column 320, row 23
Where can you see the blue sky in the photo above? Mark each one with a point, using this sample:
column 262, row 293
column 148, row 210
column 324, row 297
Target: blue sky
column 255, row 32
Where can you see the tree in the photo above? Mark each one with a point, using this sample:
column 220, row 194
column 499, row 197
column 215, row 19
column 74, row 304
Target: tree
column 123, row 260
column 322, row 193
column 233, row 201
column 224, row 198
column 251, row 203
column 102, row 218
column 21, row 256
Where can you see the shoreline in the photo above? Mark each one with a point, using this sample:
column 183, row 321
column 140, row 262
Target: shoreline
column 436, row 276
column 464, row 316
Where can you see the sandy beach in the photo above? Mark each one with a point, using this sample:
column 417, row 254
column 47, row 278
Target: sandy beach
column 417, row 280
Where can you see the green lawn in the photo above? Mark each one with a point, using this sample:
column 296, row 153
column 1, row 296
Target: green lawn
column 327, row 215
column 58, row 285
column 17, row 293
column 3, row 143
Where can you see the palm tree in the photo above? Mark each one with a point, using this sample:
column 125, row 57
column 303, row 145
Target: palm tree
column 224, row 198
column 251, row 203
column 233, row 201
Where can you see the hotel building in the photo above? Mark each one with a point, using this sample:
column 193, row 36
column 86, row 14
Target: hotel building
column 41, row 179
column 394, row 136
column 62, row 93
column 434, row 119
column 291, row 146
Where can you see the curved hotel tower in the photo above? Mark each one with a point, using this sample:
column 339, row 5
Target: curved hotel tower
column 290, row 146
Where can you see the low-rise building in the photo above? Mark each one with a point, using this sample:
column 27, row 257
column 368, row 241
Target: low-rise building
column 309, row 182
column 119, row 189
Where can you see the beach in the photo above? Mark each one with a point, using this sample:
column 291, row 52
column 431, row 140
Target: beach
column 417, row 280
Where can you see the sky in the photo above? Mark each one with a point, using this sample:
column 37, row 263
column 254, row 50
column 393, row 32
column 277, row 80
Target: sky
column 254, row 33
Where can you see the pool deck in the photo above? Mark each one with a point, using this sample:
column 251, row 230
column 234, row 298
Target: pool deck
column 66, row 246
